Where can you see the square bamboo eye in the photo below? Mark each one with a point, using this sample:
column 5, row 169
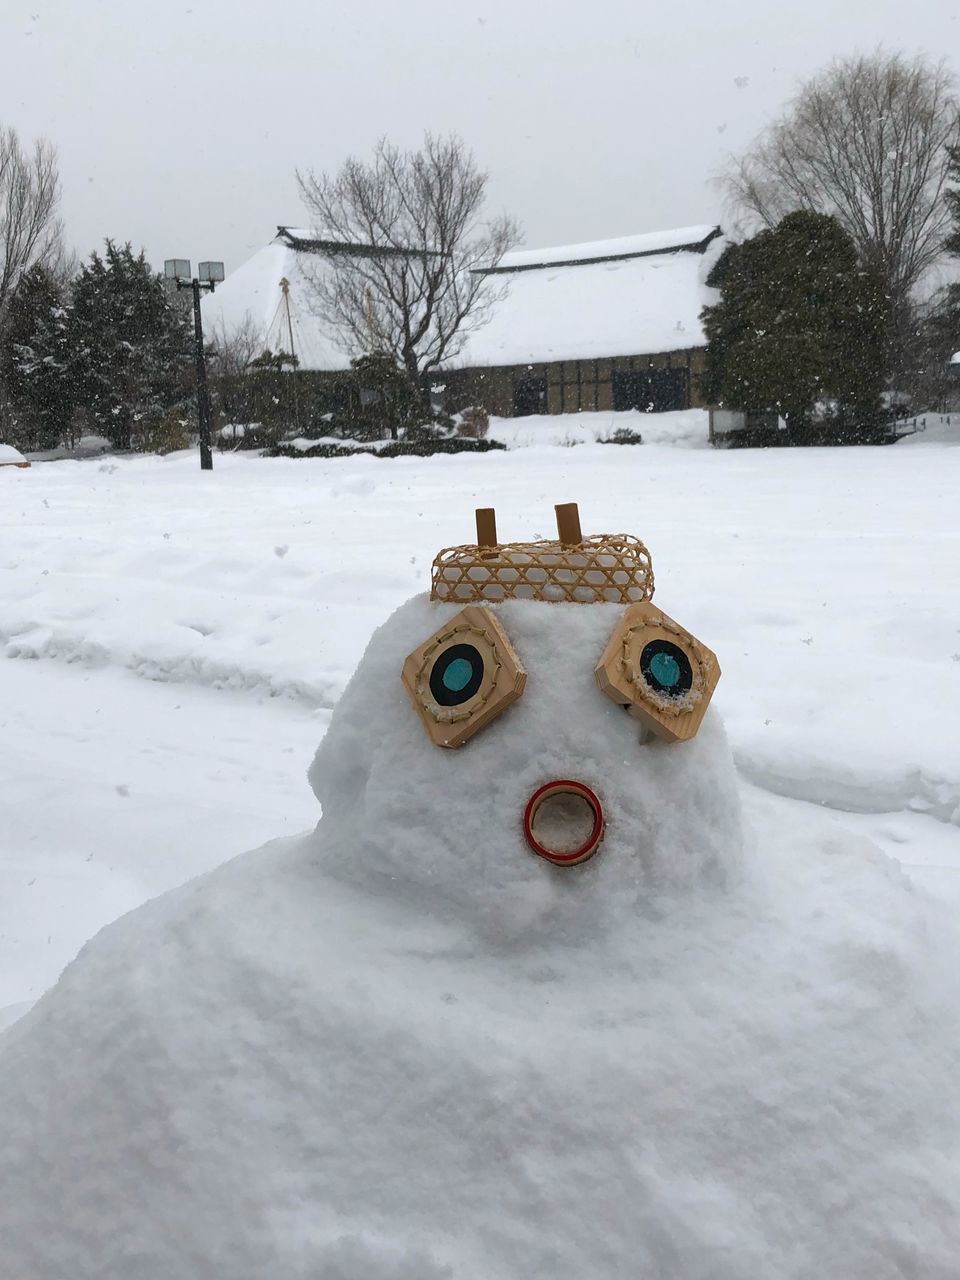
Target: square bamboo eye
column 660, row 672
column 463, row 677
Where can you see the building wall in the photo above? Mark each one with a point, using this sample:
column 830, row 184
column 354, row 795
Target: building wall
column 569, row 386
column 493, row 388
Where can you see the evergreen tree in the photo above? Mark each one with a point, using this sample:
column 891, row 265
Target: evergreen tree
column 799, row 321
column 33, row 359
column 384, row 395
column 867, row 139
column 36, row 357
column 32, row 301
column 127, row 342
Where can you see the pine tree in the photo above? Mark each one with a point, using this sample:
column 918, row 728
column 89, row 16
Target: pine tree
column 128, row 344
column 34, row 358
column 799, row 320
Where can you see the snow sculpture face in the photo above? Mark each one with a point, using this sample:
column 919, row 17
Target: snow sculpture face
column 504, row 833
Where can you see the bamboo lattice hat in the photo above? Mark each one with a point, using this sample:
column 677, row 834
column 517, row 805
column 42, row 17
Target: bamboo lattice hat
column 614, row 567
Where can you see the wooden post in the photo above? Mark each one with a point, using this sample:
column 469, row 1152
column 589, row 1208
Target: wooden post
column 568, row 524
column 285, row 290
column 486, row 527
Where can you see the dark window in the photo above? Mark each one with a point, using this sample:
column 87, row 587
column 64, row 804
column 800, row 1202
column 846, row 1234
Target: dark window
column 651, row 390
column 529, row 396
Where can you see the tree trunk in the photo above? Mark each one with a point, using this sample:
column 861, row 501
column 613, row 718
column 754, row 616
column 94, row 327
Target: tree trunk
column 413, row 373
column 389, row 412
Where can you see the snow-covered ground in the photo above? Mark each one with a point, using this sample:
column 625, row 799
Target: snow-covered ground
column 194, row 629
column 685, row 428
column 114, row 789
column 932, row 428
column 394, row 1048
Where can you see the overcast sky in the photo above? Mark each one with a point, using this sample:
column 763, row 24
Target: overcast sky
column 179, row 125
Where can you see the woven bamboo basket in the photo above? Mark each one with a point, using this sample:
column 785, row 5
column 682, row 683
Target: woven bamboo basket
column 613, row 567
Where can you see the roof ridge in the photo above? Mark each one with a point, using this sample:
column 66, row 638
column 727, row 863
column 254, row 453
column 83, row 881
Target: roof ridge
column 509, row 263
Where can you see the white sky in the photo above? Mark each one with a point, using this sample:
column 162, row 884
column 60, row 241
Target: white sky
column 179, row 125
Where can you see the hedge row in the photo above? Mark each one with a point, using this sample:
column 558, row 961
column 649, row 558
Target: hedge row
column 395, row 449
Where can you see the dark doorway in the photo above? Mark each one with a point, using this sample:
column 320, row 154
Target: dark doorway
column 651, row 390
column 529, row 396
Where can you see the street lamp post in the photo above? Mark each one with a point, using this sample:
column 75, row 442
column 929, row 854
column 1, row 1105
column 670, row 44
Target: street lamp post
column 209, row 275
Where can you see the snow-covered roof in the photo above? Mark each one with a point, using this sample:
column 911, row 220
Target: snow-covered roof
column 634, row 295
column 302, row 235
column 692, row 238
column 253, row 294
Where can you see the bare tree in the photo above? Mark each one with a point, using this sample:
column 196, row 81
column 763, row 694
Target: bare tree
column 233, row 355
column 29, row 195
column 867, row 141
column 403, row 252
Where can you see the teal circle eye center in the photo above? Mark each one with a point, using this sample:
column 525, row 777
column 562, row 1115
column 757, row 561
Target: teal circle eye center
column 456, row 675
column 666, row 668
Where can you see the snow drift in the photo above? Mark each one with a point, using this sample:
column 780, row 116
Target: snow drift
column 404, row 1048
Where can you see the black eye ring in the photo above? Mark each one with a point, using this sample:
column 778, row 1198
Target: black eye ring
column 666, row 668
column 456, row 675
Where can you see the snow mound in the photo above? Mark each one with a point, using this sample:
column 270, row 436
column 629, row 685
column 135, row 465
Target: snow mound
column 11, row 457
column 402, row 1048
column 685, row 428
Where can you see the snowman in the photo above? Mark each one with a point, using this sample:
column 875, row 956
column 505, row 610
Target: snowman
column 529, row 1002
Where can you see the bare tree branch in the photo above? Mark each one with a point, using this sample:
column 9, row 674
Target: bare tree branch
column 412, row 284
column 30, row 231
column 866, row 141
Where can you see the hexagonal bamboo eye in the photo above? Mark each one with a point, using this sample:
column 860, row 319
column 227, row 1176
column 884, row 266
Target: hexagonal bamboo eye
column 463, row 676
column 659, row 672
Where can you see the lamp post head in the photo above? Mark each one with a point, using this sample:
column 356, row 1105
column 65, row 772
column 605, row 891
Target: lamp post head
column 210, row 272
column 177, row 268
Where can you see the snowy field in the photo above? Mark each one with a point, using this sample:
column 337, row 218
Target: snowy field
column 177, row 640
column 684, row 428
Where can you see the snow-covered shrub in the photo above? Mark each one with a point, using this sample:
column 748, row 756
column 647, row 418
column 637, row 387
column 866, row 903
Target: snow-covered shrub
column 431, row 426
column 423, row 447
column 474, row 422
column 622, row 435
column 164, row 434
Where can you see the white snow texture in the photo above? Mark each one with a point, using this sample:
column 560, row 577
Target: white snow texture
column 404, row 1048
column 552, row 311
column 10, row 457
